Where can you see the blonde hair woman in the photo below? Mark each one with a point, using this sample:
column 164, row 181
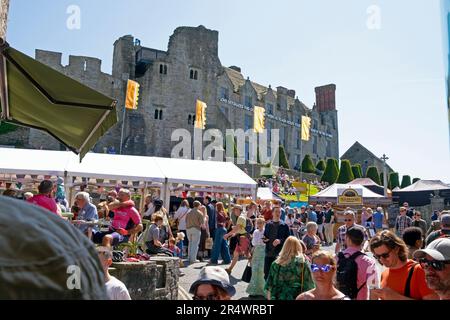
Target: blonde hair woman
column 323, row 268
column 289, row 274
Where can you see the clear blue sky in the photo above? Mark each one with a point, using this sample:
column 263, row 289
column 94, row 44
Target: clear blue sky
column 390, row 81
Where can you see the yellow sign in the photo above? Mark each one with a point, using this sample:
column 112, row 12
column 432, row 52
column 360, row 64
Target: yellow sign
column 349, row 197
column 244, row 201
column 200, row 115
column 306, row 126
column 131, row 101
column 301, row 187
column 258, row 119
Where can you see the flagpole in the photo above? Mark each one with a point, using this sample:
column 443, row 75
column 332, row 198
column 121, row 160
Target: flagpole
column 123, row 128
column 301, row 159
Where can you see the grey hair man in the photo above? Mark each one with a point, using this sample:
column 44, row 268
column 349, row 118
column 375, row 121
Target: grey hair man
column 86, row 214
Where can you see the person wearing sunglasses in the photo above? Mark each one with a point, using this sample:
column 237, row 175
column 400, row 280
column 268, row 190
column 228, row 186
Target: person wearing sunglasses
column 323, row 268
column 213, row 283
column 419, row 222
column 349, row 222
column 403, row 278
column 435, row 260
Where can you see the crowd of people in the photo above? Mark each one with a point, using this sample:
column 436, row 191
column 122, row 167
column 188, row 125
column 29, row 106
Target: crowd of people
column 285, row 247
column 282, row 183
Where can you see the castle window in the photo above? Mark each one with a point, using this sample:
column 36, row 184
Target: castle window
column 315, row 145
column 322, row 119
column 224, row 93
column 247, row 151
column 299, row 140
column 315, row 124
column 247, row 122
column 191, row 119
column 269, row 132
column 158, row 114
column 269, row 108
column 163, row 69
column 193, row 74
column 248, row 101
column 282, row 136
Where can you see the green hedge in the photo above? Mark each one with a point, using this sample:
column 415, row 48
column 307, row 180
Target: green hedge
column 406, row 181
column 331, row 172
column 372, row 173
column 393, row 180
column 415, row 180
column 283, row 159
column 357, row 171
column 345, row 173
column 321, row 165
column 308, row 165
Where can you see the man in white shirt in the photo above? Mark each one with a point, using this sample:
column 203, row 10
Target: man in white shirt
column 115, row 288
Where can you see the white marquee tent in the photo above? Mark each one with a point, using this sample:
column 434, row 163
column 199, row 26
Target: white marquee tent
column 223, row 177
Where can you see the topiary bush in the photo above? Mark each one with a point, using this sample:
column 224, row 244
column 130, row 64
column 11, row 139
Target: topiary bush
column 406, row 181
column 331, row 172
column 308, row 165
column 372, row 173
column 393, row 180
column 345, row 173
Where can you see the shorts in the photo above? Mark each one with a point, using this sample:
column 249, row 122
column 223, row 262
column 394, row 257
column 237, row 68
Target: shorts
column 243, row 245
column 320, row 228
column 117, row 237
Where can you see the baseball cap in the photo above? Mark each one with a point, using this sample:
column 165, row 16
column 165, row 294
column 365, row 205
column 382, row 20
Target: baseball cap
column 439, row 250
column 215, row 276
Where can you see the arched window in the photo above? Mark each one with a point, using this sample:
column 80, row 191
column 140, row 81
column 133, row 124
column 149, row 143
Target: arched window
column 160, row 114
column 156, row 114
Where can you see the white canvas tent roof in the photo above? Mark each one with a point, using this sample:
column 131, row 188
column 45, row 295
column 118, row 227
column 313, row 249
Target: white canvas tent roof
column 34, row 162
column 116, row 167
column 120, row 167
column 266, row 194
column 425, row 185
column 209, row 173
column 331, row 193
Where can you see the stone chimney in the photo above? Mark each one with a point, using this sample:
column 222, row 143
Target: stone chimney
column 4, row 8
column 326, row 98
column 235, row 68
column 291, row 93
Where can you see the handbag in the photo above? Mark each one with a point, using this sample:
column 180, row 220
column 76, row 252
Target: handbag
column 247, row 275
column 208, row 243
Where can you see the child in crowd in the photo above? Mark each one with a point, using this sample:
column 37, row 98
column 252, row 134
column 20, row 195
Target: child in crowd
column 257, row 282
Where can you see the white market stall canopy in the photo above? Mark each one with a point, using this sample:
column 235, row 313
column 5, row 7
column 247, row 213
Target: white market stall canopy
column 266, row 194
column 119, row 167
column 425, row 185
column 331, row 194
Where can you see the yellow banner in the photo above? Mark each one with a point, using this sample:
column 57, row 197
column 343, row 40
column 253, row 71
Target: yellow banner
column 200, row 115
column 132, row 97
column 258, row 119
column 301, row 187
column 306, row 126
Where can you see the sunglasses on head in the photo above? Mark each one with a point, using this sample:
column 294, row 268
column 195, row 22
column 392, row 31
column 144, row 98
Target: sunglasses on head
column 383, row 255
column 348, row 220
column 317, row 267
column 435, row 264
column 208, row 297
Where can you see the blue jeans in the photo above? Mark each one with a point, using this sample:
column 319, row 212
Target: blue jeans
column 220, row 247
column 194, row 240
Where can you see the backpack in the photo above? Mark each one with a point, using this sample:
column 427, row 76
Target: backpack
column 347, row 274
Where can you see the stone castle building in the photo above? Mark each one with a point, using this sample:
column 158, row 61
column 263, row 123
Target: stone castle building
column 171, row 82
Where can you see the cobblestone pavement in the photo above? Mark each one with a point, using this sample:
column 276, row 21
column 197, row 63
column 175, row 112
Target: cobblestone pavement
column 191, row 273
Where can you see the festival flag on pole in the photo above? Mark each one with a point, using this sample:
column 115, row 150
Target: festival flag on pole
column 306, row 126
column 200, row 115
column 258, row 119
column 131, row 101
